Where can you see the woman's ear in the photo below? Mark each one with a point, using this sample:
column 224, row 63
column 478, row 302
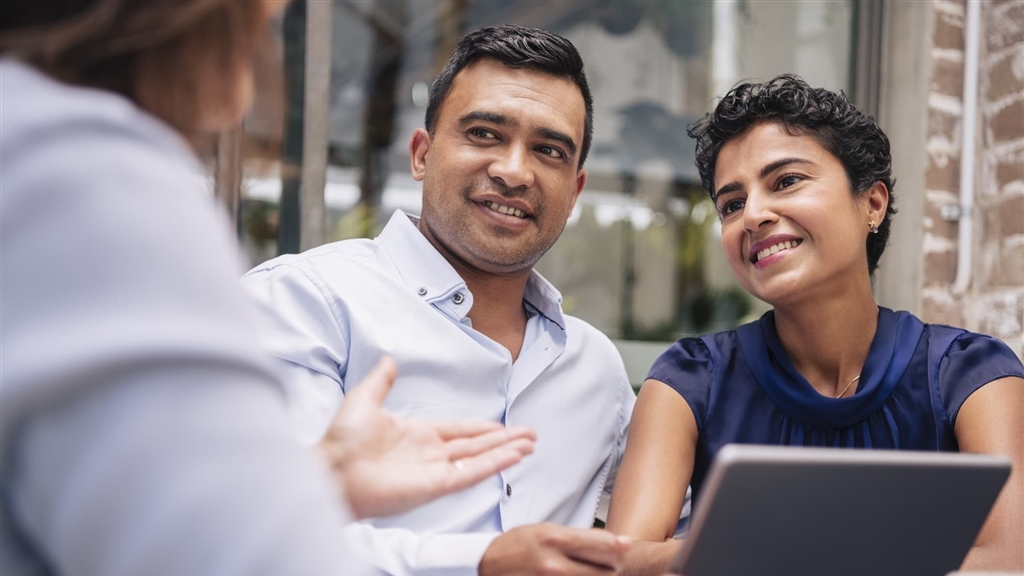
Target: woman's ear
column 878, row 202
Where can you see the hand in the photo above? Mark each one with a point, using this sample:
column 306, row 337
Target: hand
column 647, row 557
column 388, row 464
column 549, row 549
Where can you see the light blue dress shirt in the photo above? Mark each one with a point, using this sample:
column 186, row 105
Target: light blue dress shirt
column 334, row 310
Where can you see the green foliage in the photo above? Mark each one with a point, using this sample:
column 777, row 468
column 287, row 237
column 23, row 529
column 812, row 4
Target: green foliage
column 359, row 222
column 709, row 310
column 259, row 220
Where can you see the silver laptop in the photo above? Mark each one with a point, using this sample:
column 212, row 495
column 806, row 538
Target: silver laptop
column 792, row 511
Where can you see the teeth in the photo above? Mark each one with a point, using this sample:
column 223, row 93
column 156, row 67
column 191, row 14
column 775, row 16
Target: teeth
column 506, row 209
column 777, row 248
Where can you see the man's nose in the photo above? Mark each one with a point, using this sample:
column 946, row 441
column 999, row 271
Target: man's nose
column 512, row 168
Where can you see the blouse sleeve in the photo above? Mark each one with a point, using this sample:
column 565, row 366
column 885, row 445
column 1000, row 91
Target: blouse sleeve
column 687, row 368
column 972, row 361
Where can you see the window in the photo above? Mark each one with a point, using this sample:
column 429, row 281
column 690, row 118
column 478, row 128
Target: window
column 640, row 257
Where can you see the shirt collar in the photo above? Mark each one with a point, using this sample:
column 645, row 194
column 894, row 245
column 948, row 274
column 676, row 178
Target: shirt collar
column 428, row 274
column 545, row 298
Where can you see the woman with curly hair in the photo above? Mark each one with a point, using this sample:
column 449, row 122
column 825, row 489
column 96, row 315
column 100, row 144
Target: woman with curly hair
column 803, row 187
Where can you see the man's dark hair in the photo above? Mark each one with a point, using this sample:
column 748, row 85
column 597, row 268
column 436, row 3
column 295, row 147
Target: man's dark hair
column 849, row 134
column 516, row 47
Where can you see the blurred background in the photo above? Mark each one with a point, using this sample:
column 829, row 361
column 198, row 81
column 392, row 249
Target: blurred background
column 640, row 257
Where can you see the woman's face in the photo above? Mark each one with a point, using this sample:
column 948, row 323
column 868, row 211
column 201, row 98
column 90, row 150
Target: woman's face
column 242, row 85
column 792, row 228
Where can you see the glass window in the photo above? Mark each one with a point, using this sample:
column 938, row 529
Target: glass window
column 640, row 258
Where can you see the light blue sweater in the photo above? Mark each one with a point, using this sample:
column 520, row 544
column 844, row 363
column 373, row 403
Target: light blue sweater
column 143, row 432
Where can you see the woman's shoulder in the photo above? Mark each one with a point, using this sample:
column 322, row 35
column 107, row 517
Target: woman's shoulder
column 695, row 358
column 681, row 361
column 948, row 345
column 87, row 161
column 697, row 366
column 43, row 115
column 944, row 341
column 977, row 350
column 960, row 361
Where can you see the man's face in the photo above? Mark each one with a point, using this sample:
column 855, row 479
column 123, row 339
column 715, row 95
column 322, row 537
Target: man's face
column 499, row 173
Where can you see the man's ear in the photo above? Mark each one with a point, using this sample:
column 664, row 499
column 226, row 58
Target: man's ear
column 581, row 181
column 419, row 144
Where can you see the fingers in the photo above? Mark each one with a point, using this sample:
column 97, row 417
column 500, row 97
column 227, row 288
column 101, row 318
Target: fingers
column 544, row 549
column 464, row 428
column 598, row 547
column 562, row 566
column 376, row 385
column 459, row 448
column 485, row 454
column 474, row 469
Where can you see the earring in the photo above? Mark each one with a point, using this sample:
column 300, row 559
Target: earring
column 873, row 226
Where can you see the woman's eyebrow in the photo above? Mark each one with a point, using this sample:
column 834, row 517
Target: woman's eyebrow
column 768, row 169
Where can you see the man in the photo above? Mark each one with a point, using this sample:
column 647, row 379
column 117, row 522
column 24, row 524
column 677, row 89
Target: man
column 453, row 297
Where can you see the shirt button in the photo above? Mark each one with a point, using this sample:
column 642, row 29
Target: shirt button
column 458, row 298
column 422, row 291
column 508, row 489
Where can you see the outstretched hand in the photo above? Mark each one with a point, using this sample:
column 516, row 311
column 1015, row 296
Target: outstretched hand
column 388, row 464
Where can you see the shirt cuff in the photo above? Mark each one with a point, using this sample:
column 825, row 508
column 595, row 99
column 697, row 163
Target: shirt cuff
column 401, row 552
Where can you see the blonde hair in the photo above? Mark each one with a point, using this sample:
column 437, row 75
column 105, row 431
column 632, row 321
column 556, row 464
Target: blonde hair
column 173, row 58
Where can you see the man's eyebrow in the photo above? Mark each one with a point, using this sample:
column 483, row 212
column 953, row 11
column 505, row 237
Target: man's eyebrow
column 502, row 120
column 768, row 169
column 483, row 116
column 557, row 136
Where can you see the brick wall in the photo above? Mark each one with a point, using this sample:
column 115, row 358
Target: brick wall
column 994, row 302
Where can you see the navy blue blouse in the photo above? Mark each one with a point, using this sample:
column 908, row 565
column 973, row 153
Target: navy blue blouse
column 742, row 388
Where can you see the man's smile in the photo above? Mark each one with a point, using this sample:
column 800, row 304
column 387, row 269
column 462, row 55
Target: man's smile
column 504, row 209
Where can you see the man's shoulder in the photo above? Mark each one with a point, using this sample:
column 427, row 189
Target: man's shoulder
column 582, row 336
column 579, row 328
column 335, row 258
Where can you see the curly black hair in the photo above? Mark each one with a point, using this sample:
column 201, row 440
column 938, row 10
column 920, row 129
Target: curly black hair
column 516, row 47
column 849, row 134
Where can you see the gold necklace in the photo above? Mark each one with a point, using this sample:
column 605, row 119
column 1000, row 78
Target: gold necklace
column 848, row 386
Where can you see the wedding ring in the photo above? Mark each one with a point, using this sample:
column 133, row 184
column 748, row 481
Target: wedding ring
column 457, row 464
